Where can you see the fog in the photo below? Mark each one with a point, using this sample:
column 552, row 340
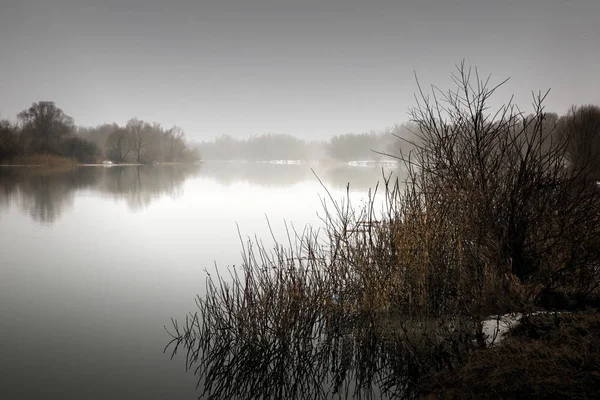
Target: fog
column 309, row 198
column 311, row 69
column 96, row 260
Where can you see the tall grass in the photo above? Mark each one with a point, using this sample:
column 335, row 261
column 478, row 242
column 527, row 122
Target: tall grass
column 488, row 218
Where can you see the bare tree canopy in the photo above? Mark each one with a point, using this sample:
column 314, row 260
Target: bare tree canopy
column 46, row 122
column 118, row 145
column 139, row 132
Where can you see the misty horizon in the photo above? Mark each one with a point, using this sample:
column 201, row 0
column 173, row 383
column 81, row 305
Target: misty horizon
column 310, row 70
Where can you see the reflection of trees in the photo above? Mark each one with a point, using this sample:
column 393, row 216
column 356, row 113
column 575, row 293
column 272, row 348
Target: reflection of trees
column 256, row 173
column 281, row 175
column 140, row 185
column 43, row 193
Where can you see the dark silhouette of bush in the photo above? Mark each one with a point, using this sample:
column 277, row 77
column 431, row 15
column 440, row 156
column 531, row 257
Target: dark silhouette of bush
column 45, row 125
column 493, row 178
column 581, row 129
column 489, row 217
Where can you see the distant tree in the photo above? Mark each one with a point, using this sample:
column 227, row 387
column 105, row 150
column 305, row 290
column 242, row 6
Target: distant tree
column 404, row 139
column 97, row 134
column 46, row 123
column 10, row 140
column 191, row 154
column 542, row 129
column 174, row 144
column 274, row 146
column 79, row 148
column 581, row 129
column 355, row 147
column 140, row 138
column 270, row 146
column 223, row 147
column 119, row 145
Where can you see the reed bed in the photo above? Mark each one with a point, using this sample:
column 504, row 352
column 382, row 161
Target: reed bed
column 487, row 220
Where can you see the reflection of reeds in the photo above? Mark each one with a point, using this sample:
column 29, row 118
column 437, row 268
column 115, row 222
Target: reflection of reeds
column 328, row 314
column 367, row 306
column 364, row 308
column 489, row 218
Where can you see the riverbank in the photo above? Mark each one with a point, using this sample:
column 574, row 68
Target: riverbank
column 48, row 160
column 552, row 355
column 40, row 160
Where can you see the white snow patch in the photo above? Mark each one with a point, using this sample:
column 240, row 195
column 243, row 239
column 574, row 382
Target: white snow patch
column 496, row 327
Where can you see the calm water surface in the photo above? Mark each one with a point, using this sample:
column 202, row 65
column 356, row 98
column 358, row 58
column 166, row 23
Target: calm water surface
column 95, row 261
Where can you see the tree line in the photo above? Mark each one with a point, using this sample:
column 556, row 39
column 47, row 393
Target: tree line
column 258, row 148
column 46, row 129
column 580, row 126
column 271, row 146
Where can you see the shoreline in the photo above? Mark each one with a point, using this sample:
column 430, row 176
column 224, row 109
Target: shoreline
column 355, row 163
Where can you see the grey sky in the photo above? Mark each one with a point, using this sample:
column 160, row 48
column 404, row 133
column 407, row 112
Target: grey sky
column 308, row 68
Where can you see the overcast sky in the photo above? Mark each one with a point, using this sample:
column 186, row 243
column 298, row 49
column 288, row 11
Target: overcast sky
column 307, row 68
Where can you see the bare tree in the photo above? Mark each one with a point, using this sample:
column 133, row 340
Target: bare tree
column 175, row 143
column 119, row 145
column 46, row 123
column 504, row 197
column 139, row 132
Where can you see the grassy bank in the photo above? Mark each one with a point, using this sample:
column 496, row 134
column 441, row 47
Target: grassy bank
column 551, row 356
column 45, row 160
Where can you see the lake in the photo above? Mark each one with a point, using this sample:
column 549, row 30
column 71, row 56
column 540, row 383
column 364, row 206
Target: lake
column 95, row 261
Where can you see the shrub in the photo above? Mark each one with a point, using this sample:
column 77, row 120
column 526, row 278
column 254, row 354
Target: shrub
column 488, row 218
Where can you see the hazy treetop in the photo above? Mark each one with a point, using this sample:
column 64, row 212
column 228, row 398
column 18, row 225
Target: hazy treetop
column 307, row 68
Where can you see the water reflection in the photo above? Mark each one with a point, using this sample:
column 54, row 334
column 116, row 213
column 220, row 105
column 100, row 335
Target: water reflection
column 139, row 186
column 105, row 279
column 257, row 173
column 335, row 176
column 43, row 194
column 46, row 193
column 360, row 178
